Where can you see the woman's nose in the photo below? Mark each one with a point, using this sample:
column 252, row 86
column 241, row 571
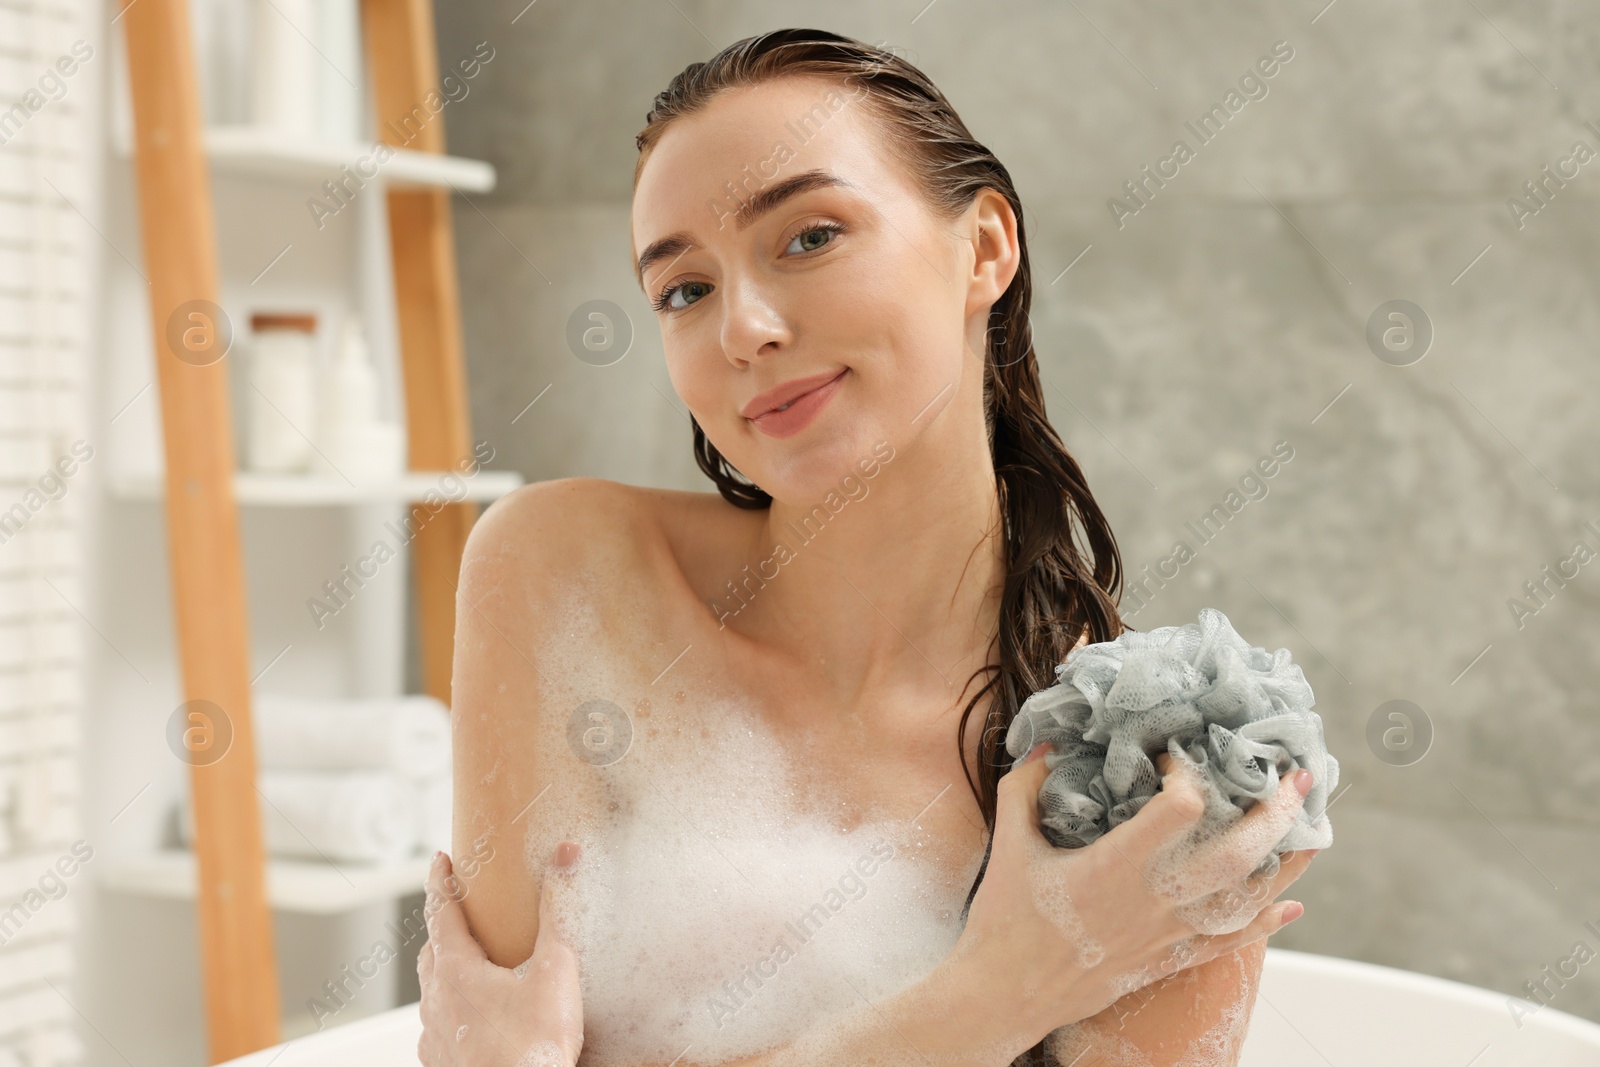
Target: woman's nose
column 752, row 326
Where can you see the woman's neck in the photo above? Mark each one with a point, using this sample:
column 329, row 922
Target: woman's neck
column 893, row 584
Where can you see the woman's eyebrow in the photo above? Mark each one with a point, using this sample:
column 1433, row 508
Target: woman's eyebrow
column 676, row 244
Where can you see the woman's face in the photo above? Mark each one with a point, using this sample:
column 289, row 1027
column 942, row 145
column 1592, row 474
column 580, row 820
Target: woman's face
column 854, row 276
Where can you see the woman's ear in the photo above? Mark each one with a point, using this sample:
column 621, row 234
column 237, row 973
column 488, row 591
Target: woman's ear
column 997, row 255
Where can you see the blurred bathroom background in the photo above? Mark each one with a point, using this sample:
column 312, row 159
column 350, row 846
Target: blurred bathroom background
column 1378, row 267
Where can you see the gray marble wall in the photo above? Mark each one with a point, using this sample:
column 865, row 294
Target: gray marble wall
column 1226, row 315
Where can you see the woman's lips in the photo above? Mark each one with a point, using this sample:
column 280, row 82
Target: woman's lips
column 801, row 410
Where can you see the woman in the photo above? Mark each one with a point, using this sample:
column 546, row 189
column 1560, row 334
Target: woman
column 842, row 285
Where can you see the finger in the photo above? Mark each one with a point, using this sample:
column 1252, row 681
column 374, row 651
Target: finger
column 1259, row 890
column 1172, row 813
column 425, row 968
column 438, row 870
column 1017, row 796
column 1269, row 922
column 448, row 932
column 1181, row 955
column 1242, row 847
column 1233, row 907
column 1290, row 868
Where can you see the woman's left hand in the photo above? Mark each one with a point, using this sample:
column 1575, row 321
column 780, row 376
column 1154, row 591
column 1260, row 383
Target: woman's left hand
column 477, row 1014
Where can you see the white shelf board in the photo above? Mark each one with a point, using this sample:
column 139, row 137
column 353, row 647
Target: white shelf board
column 252, row 150
column 292, row 885
column 305, row 490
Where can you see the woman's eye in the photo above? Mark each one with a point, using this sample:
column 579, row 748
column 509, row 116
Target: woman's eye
column 669, row 297
column 825, row 233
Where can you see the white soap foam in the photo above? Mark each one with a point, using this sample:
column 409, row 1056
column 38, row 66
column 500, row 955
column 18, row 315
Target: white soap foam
column 542, row 1054
column 1220, row 1045
column 1090, row 1043
column 1182, row 954
column 1047, row 879
column 1103, row 1040
column 716, row 908
column 1203, row 872
column 869, row 1043
column 712, row 914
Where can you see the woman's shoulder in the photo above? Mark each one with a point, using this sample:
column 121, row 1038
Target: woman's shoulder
column 556, row 506
column 606, row 531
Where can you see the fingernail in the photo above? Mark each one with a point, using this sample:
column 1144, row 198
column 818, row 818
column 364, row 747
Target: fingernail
column 1302, row 781
column 1038, row 751
column 1292, row 911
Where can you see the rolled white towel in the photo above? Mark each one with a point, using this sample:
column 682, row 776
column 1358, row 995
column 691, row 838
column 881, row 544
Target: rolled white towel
column 434, row 799
column 408, row 734
column 361, row 816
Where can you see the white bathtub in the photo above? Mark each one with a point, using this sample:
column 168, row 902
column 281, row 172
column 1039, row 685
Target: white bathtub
column 1317, row 1010
column 1313, row 1010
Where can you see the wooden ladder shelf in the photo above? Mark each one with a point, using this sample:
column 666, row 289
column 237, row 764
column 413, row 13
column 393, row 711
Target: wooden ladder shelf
column 239, row 967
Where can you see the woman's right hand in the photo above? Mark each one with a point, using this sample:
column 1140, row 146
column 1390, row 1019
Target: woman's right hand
column 476, row 1014
column 1061, row 934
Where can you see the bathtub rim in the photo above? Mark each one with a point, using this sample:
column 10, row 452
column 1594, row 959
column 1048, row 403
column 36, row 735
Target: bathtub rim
column 404, row 1019
column 1378, row 974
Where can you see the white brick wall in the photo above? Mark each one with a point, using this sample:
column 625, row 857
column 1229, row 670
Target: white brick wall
column 44, row 272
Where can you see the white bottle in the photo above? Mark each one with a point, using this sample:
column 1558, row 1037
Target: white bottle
column 227, row 59
column 341, row 72
column 285, row 77
column 350, row 388
column 354, row 443
column 280, row 405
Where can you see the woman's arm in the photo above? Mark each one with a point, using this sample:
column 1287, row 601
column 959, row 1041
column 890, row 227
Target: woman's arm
column 1205, row 1007
column 940, row 1020
column 518, row 789
column 986, row 1003
column 1202, row 1008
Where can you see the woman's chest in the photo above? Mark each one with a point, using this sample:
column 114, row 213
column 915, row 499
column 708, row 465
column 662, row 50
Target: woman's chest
column 753, row 879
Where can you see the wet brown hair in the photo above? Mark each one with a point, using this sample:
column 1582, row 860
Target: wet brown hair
column 1063, row 572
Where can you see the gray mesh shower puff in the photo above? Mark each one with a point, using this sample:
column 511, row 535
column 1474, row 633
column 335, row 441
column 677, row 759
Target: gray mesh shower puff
column 1197, row 690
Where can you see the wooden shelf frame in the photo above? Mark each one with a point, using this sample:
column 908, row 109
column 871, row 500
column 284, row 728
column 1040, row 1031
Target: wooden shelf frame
column 172, row 162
